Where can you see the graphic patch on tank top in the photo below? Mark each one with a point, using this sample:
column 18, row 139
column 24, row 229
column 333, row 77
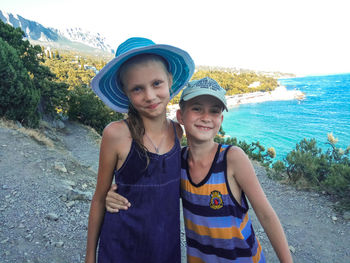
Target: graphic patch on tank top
column 216, row 200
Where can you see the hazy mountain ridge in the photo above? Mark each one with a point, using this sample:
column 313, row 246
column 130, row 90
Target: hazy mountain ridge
column 86, row 37
column 68, row 37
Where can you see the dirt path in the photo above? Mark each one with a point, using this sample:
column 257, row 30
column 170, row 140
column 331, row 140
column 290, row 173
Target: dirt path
column 313, row 229
column 45, row 195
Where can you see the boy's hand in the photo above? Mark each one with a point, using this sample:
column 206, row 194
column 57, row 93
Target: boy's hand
column 116, row 202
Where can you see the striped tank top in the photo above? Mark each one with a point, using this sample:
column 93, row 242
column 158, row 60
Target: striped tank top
column 218, row 228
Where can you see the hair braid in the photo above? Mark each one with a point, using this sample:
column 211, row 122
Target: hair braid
column 137, row 130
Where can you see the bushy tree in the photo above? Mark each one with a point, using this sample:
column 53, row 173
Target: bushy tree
column 87, row 108
column 307, row 161
column 254, row 150
column 54, row 94
column 18, row 96
column 40, row 82
column 327, row 171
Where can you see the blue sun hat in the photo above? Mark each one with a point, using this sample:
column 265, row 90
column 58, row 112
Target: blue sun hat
column 105, row 83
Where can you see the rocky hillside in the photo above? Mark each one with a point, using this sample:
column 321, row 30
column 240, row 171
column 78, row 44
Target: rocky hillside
column 47, row 180
column 45, row 192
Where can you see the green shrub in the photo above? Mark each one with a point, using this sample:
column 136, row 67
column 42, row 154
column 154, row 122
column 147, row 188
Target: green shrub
column 277, row 171
column 307, row 162
column 28, row 89
column 329, row 171
column 87, row 108
column 338, row 180
column 255, row 150
column 53, row 99
column 19, row 98
column 279, row 167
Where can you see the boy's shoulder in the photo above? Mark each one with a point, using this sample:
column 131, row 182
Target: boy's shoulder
column 238, row 162
column 235, row 154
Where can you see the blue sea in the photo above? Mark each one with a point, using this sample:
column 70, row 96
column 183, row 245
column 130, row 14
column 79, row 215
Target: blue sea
column 282, row 124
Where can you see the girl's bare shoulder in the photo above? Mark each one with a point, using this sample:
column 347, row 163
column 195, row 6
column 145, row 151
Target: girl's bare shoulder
column 117, row 130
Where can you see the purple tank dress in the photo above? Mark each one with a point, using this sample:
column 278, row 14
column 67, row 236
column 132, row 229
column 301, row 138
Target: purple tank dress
column 149, row 231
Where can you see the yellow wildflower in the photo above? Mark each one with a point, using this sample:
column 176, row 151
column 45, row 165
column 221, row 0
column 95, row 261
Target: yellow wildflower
column 331, row 138
column 271, row 152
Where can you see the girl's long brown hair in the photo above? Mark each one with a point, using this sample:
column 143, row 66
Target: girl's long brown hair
column 135, row 123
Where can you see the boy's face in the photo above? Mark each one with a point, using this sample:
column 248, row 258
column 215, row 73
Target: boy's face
column 201, row 117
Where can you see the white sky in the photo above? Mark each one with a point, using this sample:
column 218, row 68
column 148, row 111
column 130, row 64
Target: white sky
column 297, row 36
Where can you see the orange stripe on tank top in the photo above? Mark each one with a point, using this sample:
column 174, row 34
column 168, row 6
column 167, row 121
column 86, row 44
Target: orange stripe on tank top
column 192, row 259
column 257, row 256
column 205, row 189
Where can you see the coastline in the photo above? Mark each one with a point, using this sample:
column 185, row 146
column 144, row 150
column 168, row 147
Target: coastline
column 279, row 94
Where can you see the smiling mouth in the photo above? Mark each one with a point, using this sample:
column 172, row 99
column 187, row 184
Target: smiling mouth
column 203, row 128
column 153, row 106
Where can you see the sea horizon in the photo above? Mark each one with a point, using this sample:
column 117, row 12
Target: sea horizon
column 304, row 75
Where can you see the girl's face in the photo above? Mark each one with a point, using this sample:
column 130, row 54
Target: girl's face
column 147, row 86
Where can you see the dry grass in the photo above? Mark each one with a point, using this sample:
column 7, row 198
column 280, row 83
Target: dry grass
column 35, row 134
column 38, row 136
column 8, row 124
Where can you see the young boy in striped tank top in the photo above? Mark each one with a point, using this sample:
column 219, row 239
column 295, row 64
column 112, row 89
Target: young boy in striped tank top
column 215, row 181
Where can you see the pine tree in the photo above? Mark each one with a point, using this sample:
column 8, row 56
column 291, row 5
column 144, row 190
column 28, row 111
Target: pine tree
column 18, row 96
column 31, row 77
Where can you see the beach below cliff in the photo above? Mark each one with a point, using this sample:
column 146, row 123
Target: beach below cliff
column 279, row 94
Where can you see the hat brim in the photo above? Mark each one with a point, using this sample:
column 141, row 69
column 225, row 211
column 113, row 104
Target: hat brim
column 104, row 84
column 208, row 92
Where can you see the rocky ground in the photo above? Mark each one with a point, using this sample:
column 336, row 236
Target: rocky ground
column 45, row 195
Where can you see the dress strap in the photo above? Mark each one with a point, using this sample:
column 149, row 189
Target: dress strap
column 127, row 124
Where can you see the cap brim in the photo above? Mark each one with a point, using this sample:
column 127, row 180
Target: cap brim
column 209, row 92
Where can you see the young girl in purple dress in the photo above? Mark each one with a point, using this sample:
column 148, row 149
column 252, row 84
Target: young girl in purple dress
column 142, row 154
